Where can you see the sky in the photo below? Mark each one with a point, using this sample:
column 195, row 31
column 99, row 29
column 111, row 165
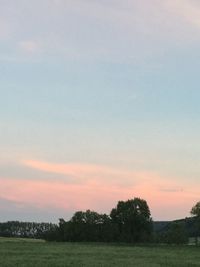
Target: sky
column 99, row 102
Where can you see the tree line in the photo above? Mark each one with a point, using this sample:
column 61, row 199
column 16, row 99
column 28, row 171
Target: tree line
column 130, row 222
column 26, row 229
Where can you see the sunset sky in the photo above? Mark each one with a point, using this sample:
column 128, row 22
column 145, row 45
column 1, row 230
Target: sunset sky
column 99, row 102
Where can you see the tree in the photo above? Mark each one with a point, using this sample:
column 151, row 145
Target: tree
column 25, row 229
column 133, row 220
column 87, row 217
column 130, row 221
column 84, row 225
column 87, row 226
column 195, row 211
column 176, row 234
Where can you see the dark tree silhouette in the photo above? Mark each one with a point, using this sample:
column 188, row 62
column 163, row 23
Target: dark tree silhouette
column 176, row 234
column 130, row 221
column 26, row 229
column 133, row 220
column 195, row 211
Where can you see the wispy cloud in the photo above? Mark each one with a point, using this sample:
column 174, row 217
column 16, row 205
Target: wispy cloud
column 93, row 186
column 100, row 187
column 102, row 197
column 93, row 173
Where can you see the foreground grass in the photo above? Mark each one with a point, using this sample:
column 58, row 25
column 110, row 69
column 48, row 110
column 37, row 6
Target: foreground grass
column 25, row 252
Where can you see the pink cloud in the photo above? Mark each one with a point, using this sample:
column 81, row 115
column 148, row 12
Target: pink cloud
column 93, row 173
column 59, row 194
column 96, row 188
column 101, row 197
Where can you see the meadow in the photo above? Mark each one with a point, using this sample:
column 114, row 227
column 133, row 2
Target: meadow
column 27, row 252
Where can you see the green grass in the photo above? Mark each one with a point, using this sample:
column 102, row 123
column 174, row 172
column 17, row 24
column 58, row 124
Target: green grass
column 26, row 252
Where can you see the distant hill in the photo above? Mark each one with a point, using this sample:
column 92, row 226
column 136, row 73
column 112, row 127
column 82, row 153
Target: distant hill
column 160, row 226
column 189, row 223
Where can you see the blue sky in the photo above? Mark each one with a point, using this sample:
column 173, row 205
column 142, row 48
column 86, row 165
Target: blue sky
column 110, row 87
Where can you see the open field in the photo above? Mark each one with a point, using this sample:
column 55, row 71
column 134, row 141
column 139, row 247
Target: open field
column 26, row 252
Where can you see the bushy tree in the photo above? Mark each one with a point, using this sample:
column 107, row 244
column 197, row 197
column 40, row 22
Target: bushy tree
column 195, row 211
column 133, row 220
column 176, row 234
column 86, row 227
column 130, row 221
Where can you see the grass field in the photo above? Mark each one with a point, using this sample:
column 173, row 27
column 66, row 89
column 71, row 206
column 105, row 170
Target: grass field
column 26, row 252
